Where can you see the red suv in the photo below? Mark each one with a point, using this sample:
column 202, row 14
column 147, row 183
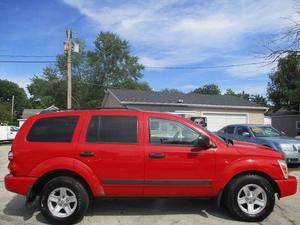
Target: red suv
column 66, row 158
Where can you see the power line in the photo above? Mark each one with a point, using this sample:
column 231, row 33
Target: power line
column 27, row 61
column 28, row 56
column 207, row 67
column 155, row 67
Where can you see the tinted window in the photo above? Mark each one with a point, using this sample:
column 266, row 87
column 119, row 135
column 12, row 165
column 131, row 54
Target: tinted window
column 117, row 129
column 229, row 130
column 163, row 131
column 53, row 129
column 241, row 130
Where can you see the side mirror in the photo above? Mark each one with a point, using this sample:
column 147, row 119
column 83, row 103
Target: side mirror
column 246, row 134
column 203, row 142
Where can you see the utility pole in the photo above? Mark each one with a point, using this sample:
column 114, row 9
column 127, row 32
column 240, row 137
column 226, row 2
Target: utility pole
column 12, row 106
column 68, row 49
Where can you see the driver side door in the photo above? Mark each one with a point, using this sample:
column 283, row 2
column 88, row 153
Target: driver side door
column 173, row 165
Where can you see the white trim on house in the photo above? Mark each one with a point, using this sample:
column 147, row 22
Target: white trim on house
column 182, row 112
column 193, row 105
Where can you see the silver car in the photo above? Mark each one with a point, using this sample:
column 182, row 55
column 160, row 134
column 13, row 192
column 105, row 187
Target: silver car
column 264, row 135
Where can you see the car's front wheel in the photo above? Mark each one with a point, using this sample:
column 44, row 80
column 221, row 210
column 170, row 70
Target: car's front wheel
column 64, row 200
column 250, row 198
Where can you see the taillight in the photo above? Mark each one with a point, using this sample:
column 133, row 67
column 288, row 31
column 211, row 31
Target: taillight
column 10, row 155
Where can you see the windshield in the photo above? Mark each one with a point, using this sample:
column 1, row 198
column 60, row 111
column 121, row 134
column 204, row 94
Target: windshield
column 266, row 131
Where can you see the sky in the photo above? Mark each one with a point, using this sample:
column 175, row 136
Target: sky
column 162, row 33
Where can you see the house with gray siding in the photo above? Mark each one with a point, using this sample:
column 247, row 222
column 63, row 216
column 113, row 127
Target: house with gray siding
column 218, row 110
column 286, row 121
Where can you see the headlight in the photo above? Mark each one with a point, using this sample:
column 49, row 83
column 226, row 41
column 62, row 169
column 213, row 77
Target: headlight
column 284, row 168
column 287, row 147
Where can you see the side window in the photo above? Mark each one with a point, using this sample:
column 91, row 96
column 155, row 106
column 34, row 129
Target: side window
column 241, row 130
column 112, row 129
column 229, row 130
column 53, row 129
column 163, row 131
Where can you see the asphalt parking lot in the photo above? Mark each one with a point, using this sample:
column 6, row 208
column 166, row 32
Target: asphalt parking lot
column 178, row 211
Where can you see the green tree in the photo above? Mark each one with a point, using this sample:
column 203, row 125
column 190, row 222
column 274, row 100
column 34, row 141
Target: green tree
column 48, row 89
column 209, row 89
column 244, row 95
column 229, row 92
column 130, row 84
column 110, row 64
column 171, row 90
column 259, row 99
column 5, row 113
column 7, row 90
column 284, row 84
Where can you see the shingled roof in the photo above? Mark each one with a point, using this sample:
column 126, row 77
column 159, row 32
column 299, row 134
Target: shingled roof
column 130, row 96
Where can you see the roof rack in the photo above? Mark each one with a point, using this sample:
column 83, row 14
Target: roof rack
column 91, row 108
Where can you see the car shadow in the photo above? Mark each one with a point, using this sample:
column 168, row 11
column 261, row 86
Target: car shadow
column 294, row 167
column 17, row 207
column 205, row 208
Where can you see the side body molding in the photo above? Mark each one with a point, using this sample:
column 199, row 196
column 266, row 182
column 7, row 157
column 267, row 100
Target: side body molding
column 73, row 165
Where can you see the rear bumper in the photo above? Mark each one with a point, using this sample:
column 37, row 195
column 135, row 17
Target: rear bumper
column 20, row 185
column 287, row 187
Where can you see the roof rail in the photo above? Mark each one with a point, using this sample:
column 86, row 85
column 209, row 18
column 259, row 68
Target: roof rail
column 90, row 108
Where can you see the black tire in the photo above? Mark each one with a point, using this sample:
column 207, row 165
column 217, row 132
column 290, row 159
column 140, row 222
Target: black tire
column 231, row 197
column 77, row 188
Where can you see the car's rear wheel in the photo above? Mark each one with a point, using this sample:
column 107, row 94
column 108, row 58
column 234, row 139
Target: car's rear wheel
column 64, row 200
column 250, row 198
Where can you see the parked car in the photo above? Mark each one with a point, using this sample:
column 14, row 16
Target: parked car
column 264, row 135
column 8, row 133
column 67, row 158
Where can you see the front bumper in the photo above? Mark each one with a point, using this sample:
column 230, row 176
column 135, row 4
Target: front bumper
column 292, row 158
column 287, row 187
column 20, row 185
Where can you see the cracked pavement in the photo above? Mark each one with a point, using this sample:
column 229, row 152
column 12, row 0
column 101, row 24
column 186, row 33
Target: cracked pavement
column 136, row 211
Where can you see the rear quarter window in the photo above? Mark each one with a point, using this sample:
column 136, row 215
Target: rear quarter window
column 53, row 129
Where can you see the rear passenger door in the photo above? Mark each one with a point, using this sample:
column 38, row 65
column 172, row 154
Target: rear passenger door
column 111, row 146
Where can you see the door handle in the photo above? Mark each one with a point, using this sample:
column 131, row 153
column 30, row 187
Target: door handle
column 156, row 155
column 87, row 154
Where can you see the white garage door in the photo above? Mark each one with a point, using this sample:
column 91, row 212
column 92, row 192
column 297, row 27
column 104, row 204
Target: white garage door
column 215, row 121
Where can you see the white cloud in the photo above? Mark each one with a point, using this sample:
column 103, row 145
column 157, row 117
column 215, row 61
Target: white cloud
column 187, row 88
column 250, row 67
column 180, row 32
column 253, row 89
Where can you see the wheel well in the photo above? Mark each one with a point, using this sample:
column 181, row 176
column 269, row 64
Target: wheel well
column 258, row 173
column 41, row 182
